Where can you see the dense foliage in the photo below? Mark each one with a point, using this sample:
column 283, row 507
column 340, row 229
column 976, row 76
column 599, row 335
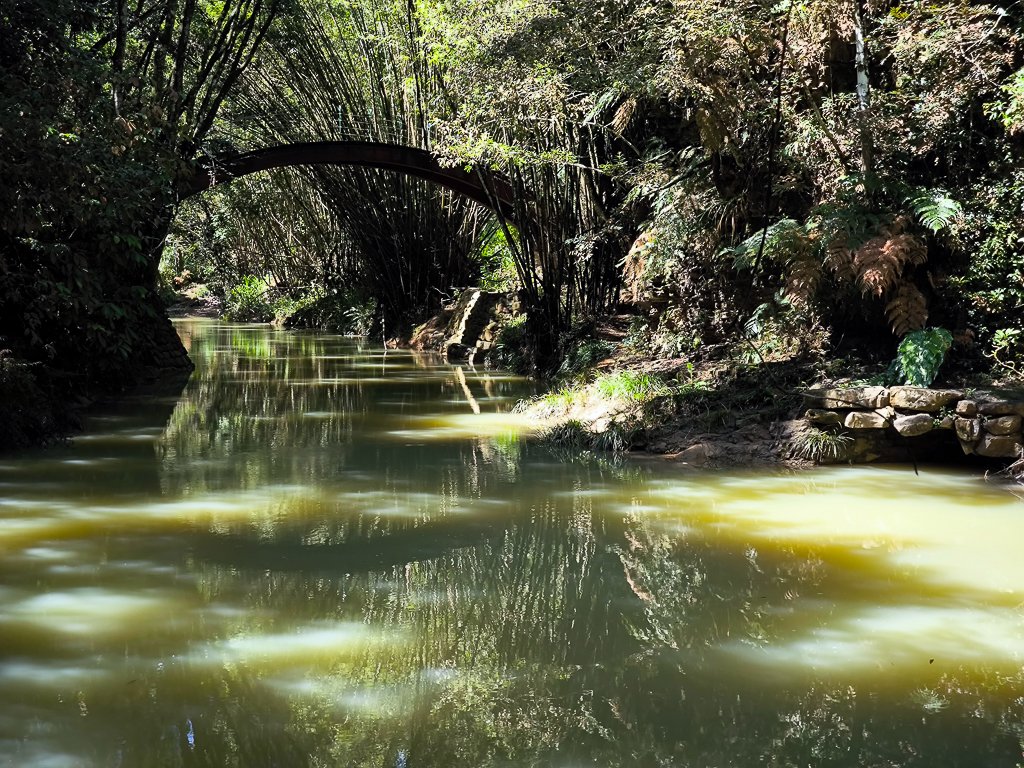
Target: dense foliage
column 103, row 107
column 823, row 172
column 840, row 165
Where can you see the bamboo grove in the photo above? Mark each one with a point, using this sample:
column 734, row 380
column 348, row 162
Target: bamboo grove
column 832, row 170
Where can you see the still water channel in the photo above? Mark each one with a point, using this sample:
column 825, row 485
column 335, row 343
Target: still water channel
column 324, row 555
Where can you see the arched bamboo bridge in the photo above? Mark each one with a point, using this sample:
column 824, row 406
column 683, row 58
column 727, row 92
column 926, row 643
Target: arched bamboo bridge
column 482, row 186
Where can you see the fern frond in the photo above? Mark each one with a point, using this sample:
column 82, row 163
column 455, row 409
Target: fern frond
column 604, row 100
column 911, row 248
column 623, row 115
column 908, row 311
column 755, row 324
column 643, row 241
column 934, row 208
column 634, row 265
column 803, row 279
column 839, row 260
column 781, row 240
column 875, row 266
column 880, row 261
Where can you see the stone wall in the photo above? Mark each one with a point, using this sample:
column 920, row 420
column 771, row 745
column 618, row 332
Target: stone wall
column 985, row 423
column 473, row 329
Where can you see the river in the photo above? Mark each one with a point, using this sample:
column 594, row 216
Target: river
column 322, row 554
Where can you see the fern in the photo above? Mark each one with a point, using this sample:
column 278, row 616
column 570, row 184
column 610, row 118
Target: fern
column 839, row 259
column 844, row 225
column 880, row 261
column 765, row 313
column 623, row 115
column 921, row 354
column 935, row 209
column 781, row 240
column 803, row 279
column 603, row 101
column 908, row 311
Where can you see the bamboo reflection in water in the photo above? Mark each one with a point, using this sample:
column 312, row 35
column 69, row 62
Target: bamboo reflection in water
column 347, row 585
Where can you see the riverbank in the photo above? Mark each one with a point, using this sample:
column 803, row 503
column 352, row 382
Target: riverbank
column 41, row 403
column 730, row 405
column 196, row 301
column 714, row 408
column 720, row 417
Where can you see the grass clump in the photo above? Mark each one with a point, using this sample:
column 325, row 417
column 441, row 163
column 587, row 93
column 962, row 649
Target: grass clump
column 632, row 386
column 573, row 434
column 820, row 446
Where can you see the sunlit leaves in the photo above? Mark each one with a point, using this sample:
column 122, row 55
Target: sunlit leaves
column 1009, row 110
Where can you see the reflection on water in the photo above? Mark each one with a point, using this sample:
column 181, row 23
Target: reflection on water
column 335, row 556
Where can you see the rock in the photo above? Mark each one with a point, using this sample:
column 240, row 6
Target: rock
column 887, row 413
column 968, row 430
column 912, row 426
column 922, row 399
column 472, row 315
column 827, row 418
column 864, row 450
column 946, row 422
column 999, row 446
column 695, row 454
column 455, row 352
column 431, row 334
column 854, row 397
column 1002, row 408
column 865, row 420
column 1002, row 425
column 967, row 408
column 967, row 447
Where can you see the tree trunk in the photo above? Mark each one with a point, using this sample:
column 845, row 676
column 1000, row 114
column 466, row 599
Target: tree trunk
column 867, row 145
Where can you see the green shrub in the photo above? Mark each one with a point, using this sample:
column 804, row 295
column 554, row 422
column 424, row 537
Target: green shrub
column 248, row 301
column 989, row 284
column 920, row 355
column 328, row 310
column 1007, row 346
column 583, row 356
column 361, row 317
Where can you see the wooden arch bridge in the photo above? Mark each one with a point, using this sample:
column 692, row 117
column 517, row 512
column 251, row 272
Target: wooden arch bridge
column 484, row 187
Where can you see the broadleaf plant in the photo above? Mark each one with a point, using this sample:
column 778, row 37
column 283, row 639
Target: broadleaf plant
column 920, row 355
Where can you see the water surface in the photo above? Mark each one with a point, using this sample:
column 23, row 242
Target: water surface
column 325, row 555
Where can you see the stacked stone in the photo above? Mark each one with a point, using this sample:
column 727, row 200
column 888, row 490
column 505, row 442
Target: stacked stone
column 988, row 425
column 473, row 329
column 990, row 428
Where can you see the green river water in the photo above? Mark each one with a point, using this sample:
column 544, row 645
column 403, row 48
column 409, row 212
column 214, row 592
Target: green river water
column 324, row 555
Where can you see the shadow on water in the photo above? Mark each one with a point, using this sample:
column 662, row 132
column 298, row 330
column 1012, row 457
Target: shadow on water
column 427, row 541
